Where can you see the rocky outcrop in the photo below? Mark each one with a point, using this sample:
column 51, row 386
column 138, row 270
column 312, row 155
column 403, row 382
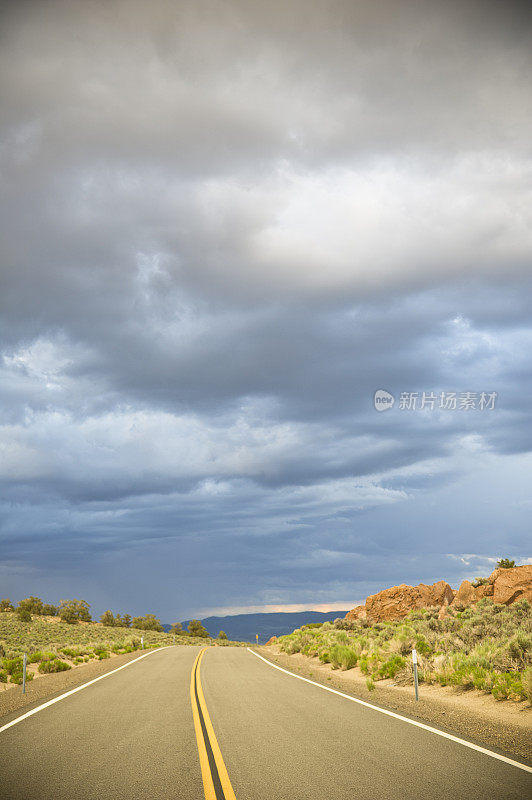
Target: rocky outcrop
column 466, row 595
column 273, row 640
column 512, row 584
column 396, row 602
column 358, row 612
column 485, row 590
column 504, row 586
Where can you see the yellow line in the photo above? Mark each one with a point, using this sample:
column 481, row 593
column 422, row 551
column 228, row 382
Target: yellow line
column 208, row 786
column 222, row 771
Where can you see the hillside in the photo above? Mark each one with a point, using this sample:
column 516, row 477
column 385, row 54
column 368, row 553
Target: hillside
column 244, row 627
column 55, row 646
column 487, row 647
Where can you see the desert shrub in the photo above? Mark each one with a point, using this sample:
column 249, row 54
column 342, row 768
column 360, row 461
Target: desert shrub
column 18, row 677
column 3, row 676
column 505, row 563
column 520, row 648
column 34, row 658
column 370, row 684
column 55, row 665
column 12, row 665
column 342, row 656
column 507, row 685
column 526, row 680
column 423, row 647
column 6, row 605
column 73, row 652
column 391, row 667
column 24, row 615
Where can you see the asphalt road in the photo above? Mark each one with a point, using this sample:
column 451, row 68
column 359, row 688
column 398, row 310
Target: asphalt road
column 133, row 735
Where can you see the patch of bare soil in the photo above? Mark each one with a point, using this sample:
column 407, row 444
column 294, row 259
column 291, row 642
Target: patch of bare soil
column 501, row 725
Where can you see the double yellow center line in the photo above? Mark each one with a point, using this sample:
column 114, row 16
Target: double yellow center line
column 216, row 783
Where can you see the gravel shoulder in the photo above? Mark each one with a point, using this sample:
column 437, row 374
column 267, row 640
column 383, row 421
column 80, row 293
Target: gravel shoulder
column 504, row 726
column 46, row 687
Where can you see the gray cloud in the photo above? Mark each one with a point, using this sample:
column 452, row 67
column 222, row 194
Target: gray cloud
column 226, row 225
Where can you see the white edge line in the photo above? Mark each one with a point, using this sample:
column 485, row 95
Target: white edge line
column 472, row 746
column 78, row 689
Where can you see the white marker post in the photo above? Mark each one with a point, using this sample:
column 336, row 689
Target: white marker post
column 257, row 637
column 414, row 663
column 142, row 642
column 24, row 663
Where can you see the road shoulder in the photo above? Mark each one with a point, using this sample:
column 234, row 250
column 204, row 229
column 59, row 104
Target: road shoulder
column 505, row 730
column 13, row 701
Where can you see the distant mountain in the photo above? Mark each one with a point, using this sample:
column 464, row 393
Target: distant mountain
column 244, row 627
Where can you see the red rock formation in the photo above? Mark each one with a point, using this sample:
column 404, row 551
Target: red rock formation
column 485, row 590
column 358, row 612
column 273, row 640
column 396, row 602
column 504, row 586
column 512, row 584
column 466, row 595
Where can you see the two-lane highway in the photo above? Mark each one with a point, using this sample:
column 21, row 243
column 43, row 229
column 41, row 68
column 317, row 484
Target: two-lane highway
column 224, row 724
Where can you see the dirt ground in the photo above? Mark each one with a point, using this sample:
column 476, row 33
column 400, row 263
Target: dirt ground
column 501, row 725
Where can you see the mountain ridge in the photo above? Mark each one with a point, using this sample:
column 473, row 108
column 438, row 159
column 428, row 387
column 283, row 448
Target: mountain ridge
column 245, row 627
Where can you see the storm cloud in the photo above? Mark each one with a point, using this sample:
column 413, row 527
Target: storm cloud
column 225, row 225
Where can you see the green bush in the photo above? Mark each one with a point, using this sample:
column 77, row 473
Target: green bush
column 53, row 666
column 342, row 656
column 507, row 685
column 18, row 678
column 526, row 680
column 3, row 676
column 34, row 658
column 12, row 665
column 391, row 667
column 73, row 652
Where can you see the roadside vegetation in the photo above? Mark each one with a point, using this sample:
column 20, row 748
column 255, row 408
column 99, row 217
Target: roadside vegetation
column 58, row 638
column 486, row 647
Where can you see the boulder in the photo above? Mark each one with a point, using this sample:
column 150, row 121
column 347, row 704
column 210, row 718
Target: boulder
column 466, row 595
column 398, row 601
column 512, row 584
column 443, row 613
column 273, row 640
column 358, row 612
column 485, row 590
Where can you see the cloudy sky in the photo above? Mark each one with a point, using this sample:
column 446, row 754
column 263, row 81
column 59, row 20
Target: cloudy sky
column 225, row 225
